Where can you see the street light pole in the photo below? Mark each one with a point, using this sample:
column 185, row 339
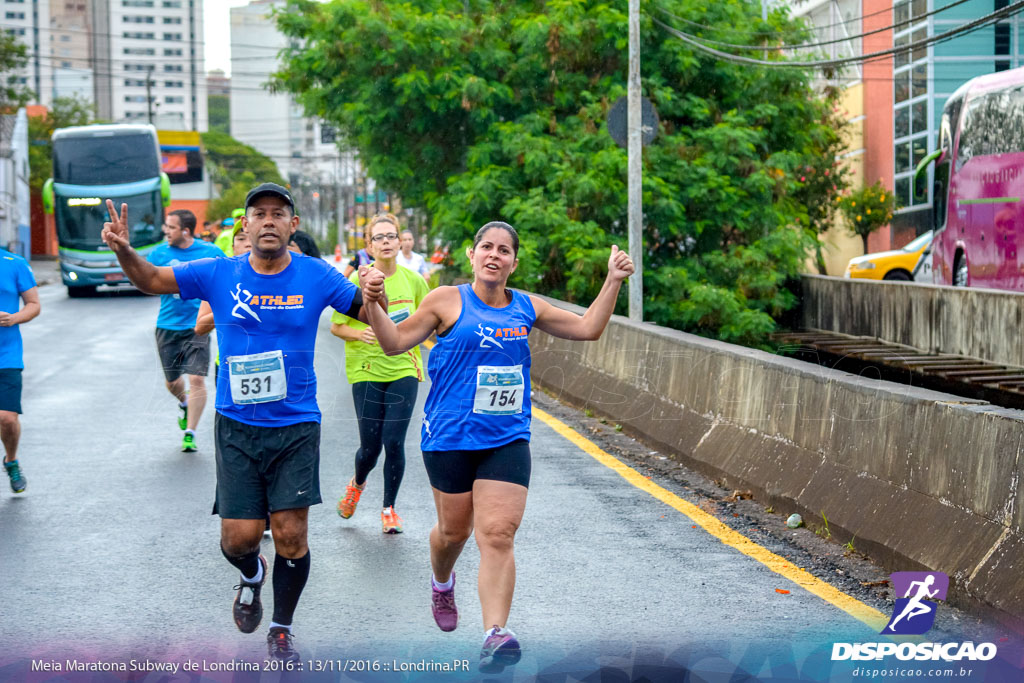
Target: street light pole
column 635, row 168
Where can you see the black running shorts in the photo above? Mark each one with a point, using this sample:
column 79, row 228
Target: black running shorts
column 455, row 471
column 265, row 469
column 183, row 352
column 10, row 389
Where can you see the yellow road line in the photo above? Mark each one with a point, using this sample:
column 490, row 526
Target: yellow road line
column 852, row 606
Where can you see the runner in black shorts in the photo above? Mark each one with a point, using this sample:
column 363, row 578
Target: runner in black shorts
column 267, row 430
column 17, row 290
column 476, row 430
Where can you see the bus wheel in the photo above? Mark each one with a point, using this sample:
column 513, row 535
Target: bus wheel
column 960, row 272
column 898, row 275
column 80, row 292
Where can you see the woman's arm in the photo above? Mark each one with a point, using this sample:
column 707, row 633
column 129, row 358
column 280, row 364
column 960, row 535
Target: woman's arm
column 588, row 327
column 349, row 333
column 396, row 339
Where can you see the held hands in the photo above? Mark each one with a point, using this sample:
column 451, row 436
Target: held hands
column 620, row 266
column 371, row 281
column 115, row 232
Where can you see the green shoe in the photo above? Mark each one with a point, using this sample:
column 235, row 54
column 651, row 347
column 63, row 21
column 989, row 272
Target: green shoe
column 18, row 481
column 188, row 444
column 183, row 418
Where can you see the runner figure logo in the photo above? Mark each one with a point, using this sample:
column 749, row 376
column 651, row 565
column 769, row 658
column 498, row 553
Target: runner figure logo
column 914, row 613
column 241, row 296
column 486, row 338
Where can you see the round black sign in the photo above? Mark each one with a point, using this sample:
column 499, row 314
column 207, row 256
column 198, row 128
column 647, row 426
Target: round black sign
column 618, row 117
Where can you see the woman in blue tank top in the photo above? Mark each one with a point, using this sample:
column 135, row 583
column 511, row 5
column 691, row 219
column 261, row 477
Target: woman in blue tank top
column 476, row 431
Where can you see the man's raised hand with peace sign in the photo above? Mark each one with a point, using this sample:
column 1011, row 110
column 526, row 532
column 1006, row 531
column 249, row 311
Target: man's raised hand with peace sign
column 144, row 275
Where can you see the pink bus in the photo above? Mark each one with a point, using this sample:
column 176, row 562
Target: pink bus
column 978, row 215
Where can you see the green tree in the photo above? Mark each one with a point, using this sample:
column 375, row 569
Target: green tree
column 867, row 209
column 219, row 112
column 64, row 112
column 490, row 109
column 229, row 160
column 232, row 197
column 13, row 56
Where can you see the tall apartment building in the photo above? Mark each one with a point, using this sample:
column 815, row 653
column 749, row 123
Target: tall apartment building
column 29, row 21
column 70, row 39
column 148, row 61
column 272, row 123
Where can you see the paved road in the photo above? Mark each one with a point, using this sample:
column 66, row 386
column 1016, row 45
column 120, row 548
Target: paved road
column 112, row 552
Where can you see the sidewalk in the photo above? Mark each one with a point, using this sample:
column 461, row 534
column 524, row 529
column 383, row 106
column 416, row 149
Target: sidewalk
column 46, row 271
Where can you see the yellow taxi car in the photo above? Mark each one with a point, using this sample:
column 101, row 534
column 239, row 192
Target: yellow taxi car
column 898, row 264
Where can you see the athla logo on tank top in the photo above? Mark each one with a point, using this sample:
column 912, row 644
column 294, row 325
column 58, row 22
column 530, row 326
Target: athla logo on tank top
column 492, row 337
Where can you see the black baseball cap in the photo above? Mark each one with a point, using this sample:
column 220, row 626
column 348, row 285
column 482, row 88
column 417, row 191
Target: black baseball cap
column 272, row 189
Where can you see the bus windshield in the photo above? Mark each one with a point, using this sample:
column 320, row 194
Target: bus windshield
column 80, row 220
column 105, row 159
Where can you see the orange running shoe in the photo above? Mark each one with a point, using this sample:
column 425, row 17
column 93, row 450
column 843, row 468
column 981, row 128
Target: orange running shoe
column 390, row 521
column 347, row 505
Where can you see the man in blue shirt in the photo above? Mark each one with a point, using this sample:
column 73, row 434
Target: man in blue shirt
column 182, row 351
column 16, row 282
column 266, row 307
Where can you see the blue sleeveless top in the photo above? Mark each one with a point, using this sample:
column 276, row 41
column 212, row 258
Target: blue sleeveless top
column 480, row 377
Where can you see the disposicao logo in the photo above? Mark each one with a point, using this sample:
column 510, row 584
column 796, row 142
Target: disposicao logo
column 913, row 615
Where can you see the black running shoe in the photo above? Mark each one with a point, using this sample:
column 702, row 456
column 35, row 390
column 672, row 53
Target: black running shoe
column 248, row 610
column 280, row 646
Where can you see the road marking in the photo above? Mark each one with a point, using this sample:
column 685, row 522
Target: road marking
column 780, row 565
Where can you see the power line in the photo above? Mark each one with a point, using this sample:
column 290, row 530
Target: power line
column 775, row 33
column 942, row 37
column 803, row 46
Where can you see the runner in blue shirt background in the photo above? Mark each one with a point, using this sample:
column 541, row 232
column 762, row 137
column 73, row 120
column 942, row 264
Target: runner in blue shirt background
column 16, row 282
column 267, row 306
column 181, row 350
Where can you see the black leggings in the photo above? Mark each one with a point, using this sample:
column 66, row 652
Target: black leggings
column 383, row 410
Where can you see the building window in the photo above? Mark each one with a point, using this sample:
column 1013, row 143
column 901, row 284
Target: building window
column 139, row 51
column 172, row 20
column 134, row 83
column 15, row 15
column 172, row 36
column 173, row 67
column 65, row 38
column 135, row 98
column 911, row 129
column 16, row 32
column 136, row 67
column 174, row 84
column 136, row 3
column 139, row 35
column 137, row 20
column 172, row 3
column 65, row 65
column 172, row 52
column 174, row 99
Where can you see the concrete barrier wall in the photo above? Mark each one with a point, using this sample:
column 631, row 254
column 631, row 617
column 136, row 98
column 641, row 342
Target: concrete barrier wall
column 922, row 479
column 981, row 323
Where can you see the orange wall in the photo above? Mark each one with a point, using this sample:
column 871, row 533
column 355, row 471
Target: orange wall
column 196, row 206
column 878, row 108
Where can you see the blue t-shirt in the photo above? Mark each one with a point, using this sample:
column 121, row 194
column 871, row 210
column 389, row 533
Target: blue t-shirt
column 480, row 377
column 258, row 313
column 177, row 313
column 15, row 278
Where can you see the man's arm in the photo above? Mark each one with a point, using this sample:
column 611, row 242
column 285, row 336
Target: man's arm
column 144, row 275
column 30, row 309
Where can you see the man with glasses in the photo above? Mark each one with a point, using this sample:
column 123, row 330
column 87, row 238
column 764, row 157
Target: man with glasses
column 183, row 352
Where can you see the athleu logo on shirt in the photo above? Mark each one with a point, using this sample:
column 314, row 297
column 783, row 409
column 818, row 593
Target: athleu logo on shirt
column 490, row 335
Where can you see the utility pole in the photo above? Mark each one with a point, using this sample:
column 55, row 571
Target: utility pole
column 635, row 168
column 149, row 91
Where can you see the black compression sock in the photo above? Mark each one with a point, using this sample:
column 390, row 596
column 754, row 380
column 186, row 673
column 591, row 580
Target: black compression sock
column 289, row 579
column 248, row 564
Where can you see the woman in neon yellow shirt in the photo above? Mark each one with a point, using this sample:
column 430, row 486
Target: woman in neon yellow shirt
column 383, row 387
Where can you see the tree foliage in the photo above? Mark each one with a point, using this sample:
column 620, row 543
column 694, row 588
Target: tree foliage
column 491, row 109
column 235, row 168
column 64, row 112
column 13, row 56
column 867, row 209
column 219, row 113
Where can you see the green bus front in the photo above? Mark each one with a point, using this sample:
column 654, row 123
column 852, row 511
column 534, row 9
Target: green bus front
column 93, row 164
